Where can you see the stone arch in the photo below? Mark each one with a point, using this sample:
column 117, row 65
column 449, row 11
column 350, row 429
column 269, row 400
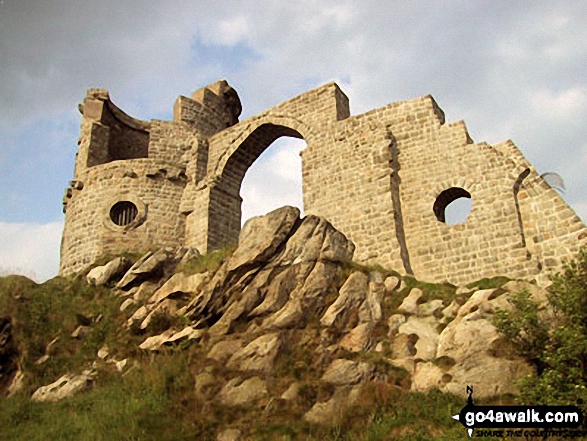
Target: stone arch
column 245, row 148
column 234, row 144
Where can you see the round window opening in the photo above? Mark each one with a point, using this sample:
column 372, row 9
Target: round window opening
column 453, row 206
column 123, row 213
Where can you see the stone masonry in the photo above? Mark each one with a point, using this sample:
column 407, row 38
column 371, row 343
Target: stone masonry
column 383, row 178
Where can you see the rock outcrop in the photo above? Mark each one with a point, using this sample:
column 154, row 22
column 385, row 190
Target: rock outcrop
column 288, row 306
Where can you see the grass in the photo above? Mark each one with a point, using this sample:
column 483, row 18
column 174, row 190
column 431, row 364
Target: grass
column 155, row 399
column 494, row 282
column 209, row 262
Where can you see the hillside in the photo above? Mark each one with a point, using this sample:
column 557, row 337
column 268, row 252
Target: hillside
column 281, row 337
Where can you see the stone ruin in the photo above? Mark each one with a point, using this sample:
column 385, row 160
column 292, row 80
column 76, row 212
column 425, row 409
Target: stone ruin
column 384, row 178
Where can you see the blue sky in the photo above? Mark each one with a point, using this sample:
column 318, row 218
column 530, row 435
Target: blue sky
column 511, row 70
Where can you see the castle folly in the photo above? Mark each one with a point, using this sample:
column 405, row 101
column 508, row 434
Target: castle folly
column 384, row 178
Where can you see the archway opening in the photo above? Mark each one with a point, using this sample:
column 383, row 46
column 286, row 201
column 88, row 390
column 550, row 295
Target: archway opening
column 225, row 206
column 274, row 179
column 453, row 206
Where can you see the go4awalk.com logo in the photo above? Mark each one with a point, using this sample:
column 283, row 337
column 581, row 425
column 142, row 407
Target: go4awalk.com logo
column 511, row 421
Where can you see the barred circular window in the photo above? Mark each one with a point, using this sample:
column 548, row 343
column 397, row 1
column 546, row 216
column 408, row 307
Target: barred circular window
column 123, row 213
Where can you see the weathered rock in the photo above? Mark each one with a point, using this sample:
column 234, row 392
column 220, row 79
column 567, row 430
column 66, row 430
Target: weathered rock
column 290, row 316
column 170, row 337
column 292, row 392
column 537, row 294
column 370, row 309
column 403, row 350
column 167, row 306
column 251, row 298
column 428, row 376
column 463, row 290
column 103, row 352
column 104, row 274
column 394, row 322
column 151, row 264
column 425, row 329
column 351, row 294
column 204, row 383
column 120, row 364
column 359, row 339
column 126, row 304
column 81, row 331
column 225, row 349
column 235, row 393
column 451, row 310
column 279, row 290
column 16, row 384
column 410, row 303
column 229, row 435
column 139, row 315
column 144, row 291
column 481, row 355
column 179, row 285
column 331, row 412
column 433, row 307
column 344, row 372
column 185, row 254
column 155, row 342
column 391, row 284
column 259, row 355
column 41, row 360
column 67, row 386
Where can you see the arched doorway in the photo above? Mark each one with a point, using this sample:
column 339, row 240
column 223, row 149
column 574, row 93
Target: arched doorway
column 274, row 179
column 225, row 209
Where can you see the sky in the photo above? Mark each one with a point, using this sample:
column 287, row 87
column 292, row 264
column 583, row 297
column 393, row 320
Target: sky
column 510, row 70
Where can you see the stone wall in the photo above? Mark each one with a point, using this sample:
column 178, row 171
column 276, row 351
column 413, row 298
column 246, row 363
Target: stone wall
column 384, row 178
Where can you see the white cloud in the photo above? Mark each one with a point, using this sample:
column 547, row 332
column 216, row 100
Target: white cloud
column 274, row 180
column 562, row 105
column 30, row 249
column 233, row 31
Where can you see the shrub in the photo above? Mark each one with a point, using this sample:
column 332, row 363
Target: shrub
column 558, row 349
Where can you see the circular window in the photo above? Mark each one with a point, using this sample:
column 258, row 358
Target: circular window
column 453, row 206
column 123, row 213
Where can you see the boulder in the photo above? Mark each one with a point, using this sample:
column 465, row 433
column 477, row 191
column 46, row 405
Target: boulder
column 394, row 322
column 345, row 372
column 225, row 349
column 351, row 295
column 331, row 411
column 391, row 284
column 101, row 275
column 292, row 392
column 150, row 265
column 67, row 386
column 229, row 435
column 171, row 337
column 178, row 286
column 433, row 307
column 205, row 381
column 410, row 302
column 359, row 339
column 428, row 376
column 481, row 355
column 370, row 309
column 236, row 393
column 259, row 355
column 427, row 335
